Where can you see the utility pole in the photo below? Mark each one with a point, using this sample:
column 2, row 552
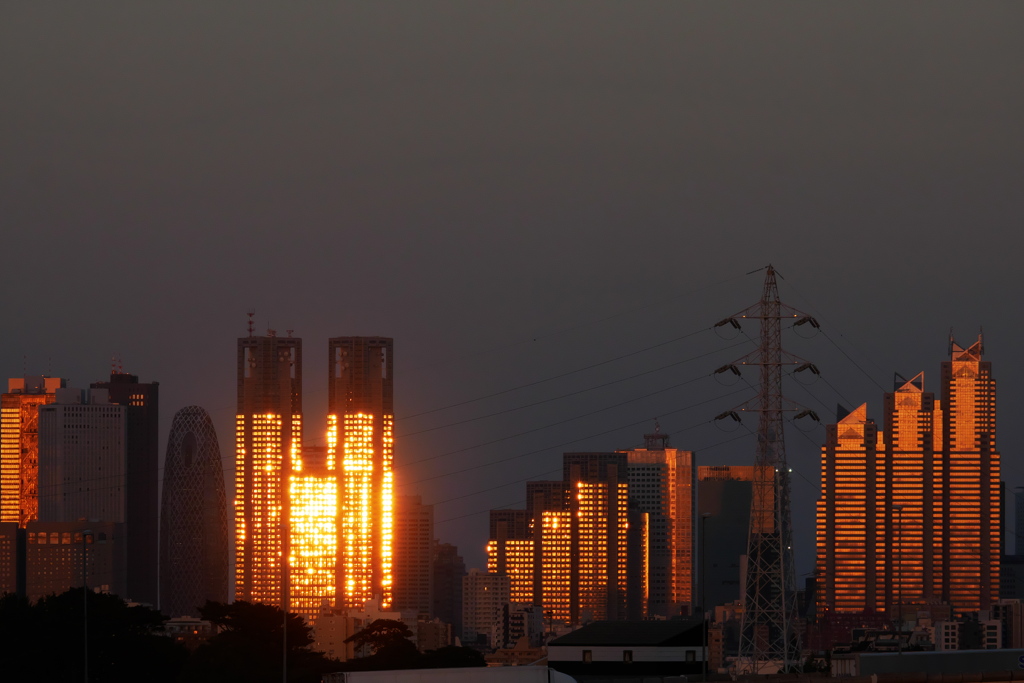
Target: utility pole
column 769, row 638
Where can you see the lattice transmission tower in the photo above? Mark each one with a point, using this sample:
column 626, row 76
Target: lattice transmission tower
column 768, row 635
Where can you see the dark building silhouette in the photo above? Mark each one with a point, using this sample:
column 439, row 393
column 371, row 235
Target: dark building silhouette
column 141, row 516
column 449, row 568
column 193, row 522
column 63, row 555
column 414, row 549
column 724, row 493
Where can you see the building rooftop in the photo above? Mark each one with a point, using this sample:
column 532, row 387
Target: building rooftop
column 640, row 633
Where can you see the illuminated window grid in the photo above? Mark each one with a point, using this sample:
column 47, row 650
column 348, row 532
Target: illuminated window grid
column 239, row 503
column 295, row 447
column 556, row 540
column 314, row 542
column 19, row 456
column 357, row 510
column 595, row 552
column 387, row 511
column 332, row 442
column 518, row 566
column 265, row 507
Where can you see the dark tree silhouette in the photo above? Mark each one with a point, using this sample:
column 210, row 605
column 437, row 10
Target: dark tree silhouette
column 388, row 637
column 51, row 639
column 251, row 646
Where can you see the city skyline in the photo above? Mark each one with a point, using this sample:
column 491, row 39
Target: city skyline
column 513, row 192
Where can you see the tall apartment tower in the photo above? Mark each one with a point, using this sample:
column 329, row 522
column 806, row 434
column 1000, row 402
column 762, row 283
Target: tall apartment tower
column 913, row 511
column 663, row 483
column 19, row 445
column 577, row 548
column 268, row 442
column 361, row 450
column 413, row 553
column 194, row 519
column 142, row 402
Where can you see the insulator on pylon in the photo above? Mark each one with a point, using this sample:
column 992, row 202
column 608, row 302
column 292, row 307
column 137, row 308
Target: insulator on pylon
column 809, row 366
column 729, row 321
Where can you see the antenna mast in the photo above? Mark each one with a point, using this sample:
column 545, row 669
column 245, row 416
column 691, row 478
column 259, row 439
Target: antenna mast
column 769, row 638
column 251, row 312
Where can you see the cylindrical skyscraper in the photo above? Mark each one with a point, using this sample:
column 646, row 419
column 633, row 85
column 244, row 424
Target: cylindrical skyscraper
column 193, row 520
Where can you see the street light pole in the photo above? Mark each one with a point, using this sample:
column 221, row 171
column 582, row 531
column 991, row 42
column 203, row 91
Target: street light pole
column 704, row 587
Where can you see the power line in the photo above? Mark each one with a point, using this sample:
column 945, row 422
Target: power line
column 573, row 393
column 571, row 419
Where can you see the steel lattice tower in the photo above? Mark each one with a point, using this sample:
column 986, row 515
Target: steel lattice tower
column 768, row 635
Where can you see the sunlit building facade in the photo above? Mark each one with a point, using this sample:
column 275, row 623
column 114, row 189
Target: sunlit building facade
column 268, row 442
column 571, row 550
column 912, row 512
column 314, row 541
column 361, row 453
column 663, row 483
column 19, row 445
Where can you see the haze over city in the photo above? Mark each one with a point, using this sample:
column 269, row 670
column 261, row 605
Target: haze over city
column 513, row 192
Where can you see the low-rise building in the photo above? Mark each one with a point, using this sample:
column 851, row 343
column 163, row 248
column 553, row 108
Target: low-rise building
column 630, row 649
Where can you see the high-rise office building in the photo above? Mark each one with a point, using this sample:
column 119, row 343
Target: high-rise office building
column 361, row 451
column 268, row 442
column 193, row 522
column 448, row 569
column 19, row 445
column 141, row 400
column 483, row 597
column 83, row 459
column 724, row 493
column 413, row 552
column 912, row 512
column 571, row 550
column 314, row 540
column 314, row 533
column 11, row 575
column 63, row 555
column 663, row 483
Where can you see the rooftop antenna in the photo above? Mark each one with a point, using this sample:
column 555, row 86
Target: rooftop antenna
column 251, row 312
column 289, row 333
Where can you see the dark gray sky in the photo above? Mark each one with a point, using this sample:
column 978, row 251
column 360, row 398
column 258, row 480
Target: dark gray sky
column 513, row 191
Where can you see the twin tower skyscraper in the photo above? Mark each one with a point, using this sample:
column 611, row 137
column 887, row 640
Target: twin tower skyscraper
column 328, row 511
